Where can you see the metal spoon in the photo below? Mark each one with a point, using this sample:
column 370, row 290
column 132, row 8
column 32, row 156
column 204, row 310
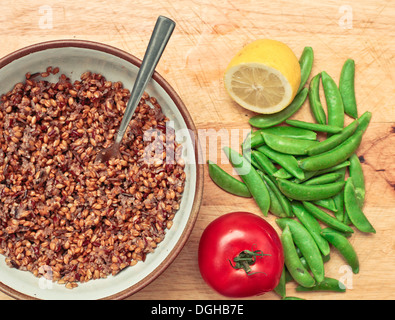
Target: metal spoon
column 160, row 36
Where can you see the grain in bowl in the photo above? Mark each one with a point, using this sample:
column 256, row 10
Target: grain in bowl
column 64, row 216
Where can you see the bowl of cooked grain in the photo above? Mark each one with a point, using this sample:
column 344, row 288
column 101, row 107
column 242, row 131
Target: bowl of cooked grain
column 72, row 227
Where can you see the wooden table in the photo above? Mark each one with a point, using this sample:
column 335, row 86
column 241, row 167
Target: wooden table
column 207, row 35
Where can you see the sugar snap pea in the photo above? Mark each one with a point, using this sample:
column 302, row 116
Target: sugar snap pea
column 356, row 173
column 325, row 178
column 327, row 203
column 334, row 140
column 292, row 261
column 255, row 139
column 344, row 247
column 306, row 64
column 287, row 161
column 269, row 120
column 264, row 162
column 334, row 156
column 251, row 178
column 364, row 121
column 315, row 101
column 326, row 218
column 307, row 246
column 288, row 276
column 353, row 210
column 281, row 198
column 291, row 132
column 275, row 206
column 334, row 101
column 314, row 126
column 282, row 173
column 227, row 182
column 339, row 198
column 311, row 174
column 304, row 262
column 326, row 258
column 347, row 89
column 346, row 219
column 328, row 284
column 312, row 225
column 315, row 192
column 281, row 289
column 288, row 145
column 344, row 234
column 248, row 156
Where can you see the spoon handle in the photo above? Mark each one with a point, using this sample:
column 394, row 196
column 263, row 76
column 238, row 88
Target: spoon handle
column 160, row 36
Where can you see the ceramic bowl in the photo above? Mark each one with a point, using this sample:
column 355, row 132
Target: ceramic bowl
column 74, row 57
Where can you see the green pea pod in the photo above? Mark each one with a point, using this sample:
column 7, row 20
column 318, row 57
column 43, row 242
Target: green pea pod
column 304, row 262
column 311, row 174
column 246, row 144
column 339, row 198
column 328, row 284
column 345, row 248
column 347, row 89
column 307, row 246
column 333, row 141
column 326, row 218
column 326, row 258
column 288, row 276
column 325, row 178
column 339, row 203
column 226, row 182
column 251, row 178
column 292, row 261
column 312, row 225
column 327, row 203
column 346, row 219
column 248, row 156
column 275, row 206
column 255, row 139
column 334, row 101
column 287, row 161
column 288, row 145
column 314, row 126
column 353, row 210
column 282, row 173
column 306, row 64
column 344, row 234
column 315, row 101
column 281, row 289
column 332, row 157
column 364, row 121
column 315, row 192
column 290, row 132
column 356, row 173
column 269, row 120
column 286, row 205
column 264, row 162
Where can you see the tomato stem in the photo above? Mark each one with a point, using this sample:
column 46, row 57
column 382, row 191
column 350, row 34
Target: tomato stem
column 245, row 259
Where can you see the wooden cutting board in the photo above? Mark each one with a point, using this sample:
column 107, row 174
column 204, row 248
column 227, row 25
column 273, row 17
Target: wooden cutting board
column 207, row 35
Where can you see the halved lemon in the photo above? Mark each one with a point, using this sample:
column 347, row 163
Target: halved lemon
column 263, row 77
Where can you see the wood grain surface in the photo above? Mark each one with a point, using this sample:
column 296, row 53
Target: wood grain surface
column 207, row 35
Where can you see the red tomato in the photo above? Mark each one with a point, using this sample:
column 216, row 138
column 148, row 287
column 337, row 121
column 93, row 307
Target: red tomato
column 240, row 235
